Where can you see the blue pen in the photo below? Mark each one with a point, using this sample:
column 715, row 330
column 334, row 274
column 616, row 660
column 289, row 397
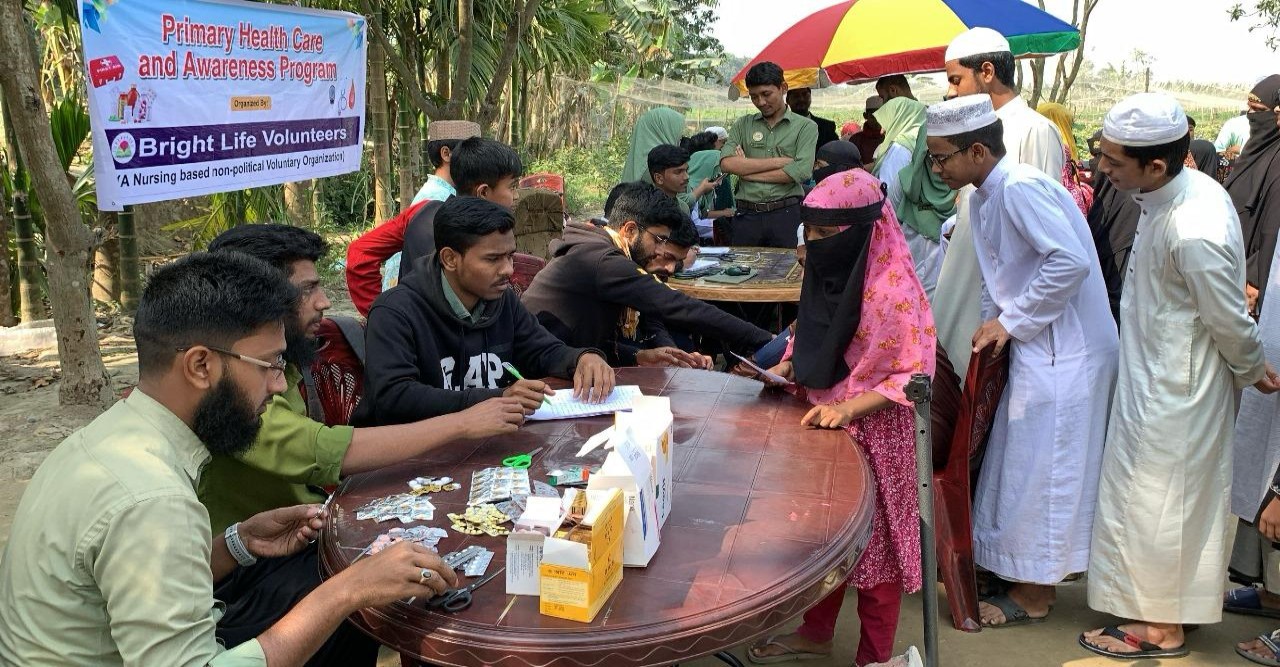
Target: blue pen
column 516, row 374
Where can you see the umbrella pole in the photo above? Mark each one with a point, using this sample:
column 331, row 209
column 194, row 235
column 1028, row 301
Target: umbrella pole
column 920, row 391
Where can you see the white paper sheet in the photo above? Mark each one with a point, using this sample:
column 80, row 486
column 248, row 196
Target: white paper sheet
column 772, row 377
column 564, row 406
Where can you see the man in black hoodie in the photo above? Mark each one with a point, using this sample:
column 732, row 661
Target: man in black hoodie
column 601, row 279
column 438, row 340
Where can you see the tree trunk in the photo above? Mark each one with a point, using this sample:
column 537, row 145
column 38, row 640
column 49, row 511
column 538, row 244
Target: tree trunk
column 7, row 316
column 106, row 263
column 383, row 206
column 1068, row 75
column 297, row 203
column 462, row 73
column 130, row 272
column 489, row 108
column 30, row 305
column 408, row 176
column 69, row 241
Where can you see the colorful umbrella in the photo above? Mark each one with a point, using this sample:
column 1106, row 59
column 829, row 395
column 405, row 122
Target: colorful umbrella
column 863, row 40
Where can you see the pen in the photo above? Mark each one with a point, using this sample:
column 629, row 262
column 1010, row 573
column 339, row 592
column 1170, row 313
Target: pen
column 516, row 374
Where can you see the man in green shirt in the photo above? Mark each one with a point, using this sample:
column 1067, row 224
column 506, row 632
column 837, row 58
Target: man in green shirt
column 295, row 456
column 111, row 560
column 772, row 154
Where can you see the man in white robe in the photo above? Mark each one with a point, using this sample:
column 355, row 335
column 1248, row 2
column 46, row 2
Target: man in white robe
column 979, row 62
column 1161, row 534
column 1043, row 295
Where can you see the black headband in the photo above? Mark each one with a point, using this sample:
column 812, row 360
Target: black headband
column 839, row 217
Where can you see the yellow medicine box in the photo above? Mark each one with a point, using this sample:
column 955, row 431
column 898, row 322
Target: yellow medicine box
column 577, row 578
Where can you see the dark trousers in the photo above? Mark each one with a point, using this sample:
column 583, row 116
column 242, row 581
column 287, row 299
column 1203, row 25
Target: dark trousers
column 259, row 595
column 774, row 229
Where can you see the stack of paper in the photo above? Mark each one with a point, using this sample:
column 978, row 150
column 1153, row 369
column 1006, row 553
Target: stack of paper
column 564, row 406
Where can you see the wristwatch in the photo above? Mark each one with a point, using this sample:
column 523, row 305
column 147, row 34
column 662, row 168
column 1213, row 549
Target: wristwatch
column 236, row 546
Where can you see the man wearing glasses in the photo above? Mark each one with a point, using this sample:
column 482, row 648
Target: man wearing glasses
column 294, row 456
column 602, row 278
column 1042, row 294
column 111, row 560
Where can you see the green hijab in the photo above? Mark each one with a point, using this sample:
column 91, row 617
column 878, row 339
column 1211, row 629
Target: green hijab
column 901, row 118
column 704, row 164
column 655, row 127
column 927, row 201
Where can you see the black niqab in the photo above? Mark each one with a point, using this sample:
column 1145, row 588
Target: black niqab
column 1254, row 185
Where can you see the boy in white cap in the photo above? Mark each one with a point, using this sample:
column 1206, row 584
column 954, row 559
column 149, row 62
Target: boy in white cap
column 1042, row 294
column 980, row 62
column 1187, row 345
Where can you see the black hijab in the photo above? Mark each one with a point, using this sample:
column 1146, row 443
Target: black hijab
column 1205, row 155
column 840, row 155
column 1254, row 184
column 1113, row 220
column 835, row 270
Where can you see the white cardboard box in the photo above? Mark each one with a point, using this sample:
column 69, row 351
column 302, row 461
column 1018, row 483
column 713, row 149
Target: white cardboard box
column 627, row 468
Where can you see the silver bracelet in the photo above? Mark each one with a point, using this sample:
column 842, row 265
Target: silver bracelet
column 236, row 546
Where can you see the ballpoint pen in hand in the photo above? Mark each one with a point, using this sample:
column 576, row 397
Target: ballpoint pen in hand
column 516, row 374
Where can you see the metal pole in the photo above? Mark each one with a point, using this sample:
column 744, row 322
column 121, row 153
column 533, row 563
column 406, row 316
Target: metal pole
column 920, row 391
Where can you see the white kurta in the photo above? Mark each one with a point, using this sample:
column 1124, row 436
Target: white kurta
column 1256, row 449
column 1034, row 503
column 1160, row 539
column 1028, row 138
column 925, row 254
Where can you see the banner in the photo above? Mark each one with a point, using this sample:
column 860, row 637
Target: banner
column 189, row 97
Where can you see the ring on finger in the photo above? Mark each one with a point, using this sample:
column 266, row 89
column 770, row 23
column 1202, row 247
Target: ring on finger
column 425, row 575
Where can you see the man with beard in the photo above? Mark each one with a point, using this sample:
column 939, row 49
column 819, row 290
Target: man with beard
column 601, row 279
column 439, row 342
column 111, row 560
column 799, row 100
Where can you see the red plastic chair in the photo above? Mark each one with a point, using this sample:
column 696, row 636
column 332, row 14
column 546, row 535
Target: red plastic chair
column 961, row 422
column 527, row 266
column 338, row 369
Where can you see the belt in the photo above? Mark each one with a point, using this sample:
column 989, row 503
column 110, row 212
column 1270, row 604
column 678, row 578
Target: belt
column 767, row 206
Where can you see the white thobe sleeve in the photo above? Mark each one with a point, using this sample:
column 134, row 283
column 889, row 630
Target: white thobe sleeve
column 896, row 159
column 1064, row 261
column 1043, row 150
column 1209, row 270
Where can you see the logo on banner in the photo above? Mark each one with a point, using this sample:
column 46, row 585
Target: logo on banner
column 123, row 148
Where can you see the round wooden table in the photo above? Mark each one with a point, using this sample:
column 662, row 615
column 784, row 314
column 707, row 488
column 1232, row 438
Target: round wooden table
column 777, row 279
column 767, row 518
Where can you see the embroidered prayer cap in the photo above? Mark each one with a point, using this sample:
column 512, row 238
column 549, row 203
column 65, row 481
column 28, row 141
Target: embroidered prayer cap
column 959, row 115
column 718, row 131
column 1145, row 119
column 976, row 41
column 447, row 130
column 874, row 102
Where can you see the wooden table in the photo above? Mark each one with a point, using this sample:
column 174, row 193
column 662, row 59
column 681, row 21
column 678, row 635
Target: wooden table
column 767, row 518
column 778, row 280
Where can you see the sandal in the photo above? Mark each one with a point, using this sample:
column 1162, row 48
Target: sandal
column 1014, row 614
column 1145, row 648
column 788, row 655
column 1247, row 601
column 1269, row 641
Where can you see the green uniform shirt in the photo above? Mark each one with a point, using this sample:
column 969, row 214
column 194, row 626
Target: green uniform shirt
column 109, row 559
column 794, row 136
column 293, row 452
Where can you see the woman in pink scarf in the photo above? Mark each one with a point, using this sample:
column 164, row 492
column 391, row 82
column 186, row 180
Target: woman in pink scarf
column 851, row 358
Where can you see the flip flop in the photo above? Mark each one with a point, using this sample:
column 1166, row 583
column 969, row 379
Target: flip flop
column 1145, row 648
column 1247, row 601
column 1270, row 641
column 1014, row 614
column 789, row 655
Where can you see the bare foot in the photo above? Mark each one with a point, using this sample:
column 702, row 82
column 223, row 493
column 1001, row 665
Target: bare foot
column 793, row 641
column 1164, row 635
column 1035, row 599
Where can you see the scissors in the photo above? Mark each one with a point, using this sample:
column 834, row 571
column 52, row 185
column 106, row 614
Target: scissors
column 456, row 600
column 520, row 460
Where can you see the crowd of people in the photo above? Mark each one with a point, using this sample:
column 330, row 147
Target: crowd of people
column 179, row 526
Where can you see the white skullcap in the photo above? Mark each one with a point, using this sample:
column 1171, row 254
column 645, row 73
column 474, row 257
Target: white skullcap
column 718, row 131
column 1145, row 119
column 975, row 41
column 959, row 115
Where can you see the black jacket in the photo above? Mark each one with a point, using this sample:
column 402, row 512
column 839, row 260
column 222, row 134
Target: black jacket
column 581, row 293
column 419, row 236
column 423, row 360
column 826, row 130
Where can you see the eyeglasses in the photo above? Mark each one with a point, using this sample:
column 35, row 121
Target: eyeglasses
column 940, row 160
column 662, row 240
column 276, row 367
